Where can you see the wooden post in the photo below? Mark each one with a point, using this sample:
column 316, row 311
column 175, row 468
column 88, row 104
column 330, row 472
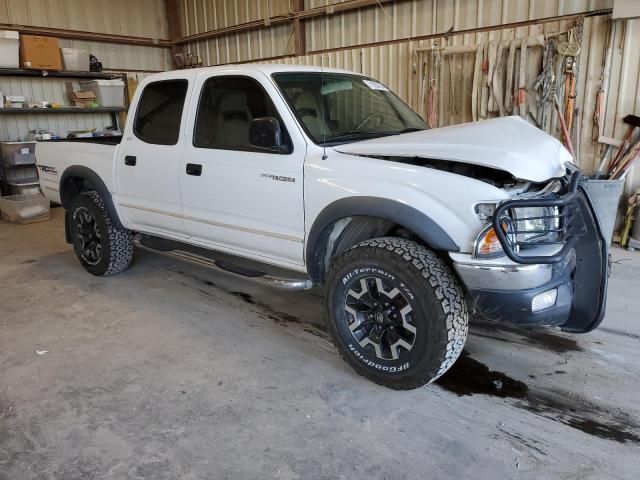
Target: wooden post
column 299, row 31
column 173, row 22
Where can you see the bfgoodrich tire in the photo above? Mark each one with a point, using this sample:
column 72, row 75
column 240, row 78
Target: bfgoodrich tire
column 396, row 312
column 102, row 247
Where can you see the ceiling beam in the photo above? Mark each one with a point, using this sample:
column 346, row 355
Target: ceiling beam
column 278, row 19
column 87, row 36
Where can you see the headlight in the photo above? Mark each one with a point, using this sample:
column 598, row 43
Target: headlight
column 487, row 244
column 533, row 224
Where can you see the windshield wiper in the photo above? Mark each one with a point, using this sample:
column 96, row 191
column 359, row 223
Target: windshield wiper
column 410, row 129
column 355, row 134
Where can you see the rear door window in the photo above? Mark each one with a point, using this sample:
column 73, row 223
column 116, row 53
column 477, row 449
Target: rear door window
column 160, row 112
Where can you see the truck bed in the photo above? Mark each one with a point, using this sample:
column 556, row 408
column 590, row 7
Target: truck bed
column 94, row 155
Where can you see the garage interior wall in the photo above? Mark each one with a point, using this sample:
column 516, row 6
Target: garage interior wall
column 343, row 39
column 139, row 18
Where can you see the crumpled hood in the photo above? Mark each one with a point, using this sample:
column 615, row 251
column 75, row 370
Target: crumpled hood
column 507, row 143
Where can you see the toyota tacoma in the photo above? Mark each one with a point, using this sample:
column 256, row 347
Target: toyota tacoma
column 299, row 176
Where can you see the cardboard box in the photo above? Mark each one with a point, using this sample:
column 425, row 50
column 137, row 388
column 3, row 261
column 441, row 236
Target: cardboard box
column 79, row 98
column 40, row 53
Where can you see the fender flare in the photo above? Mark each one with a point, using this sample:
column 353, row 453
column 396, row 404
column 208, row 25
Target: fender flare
column 432, row 234
column 91, row 177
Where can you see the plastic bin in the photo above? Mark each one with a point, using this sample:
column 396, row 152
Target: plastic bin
column 605, row 197
column 109, row 93
column 21, row 175
column 18, row 153
column 9, row 49
column 24, row 189
column 75, row 59
column 24, row 208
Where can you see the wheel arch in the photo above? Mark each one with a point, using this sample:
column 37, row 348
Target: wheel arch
column 77, row 179
column 351, row 220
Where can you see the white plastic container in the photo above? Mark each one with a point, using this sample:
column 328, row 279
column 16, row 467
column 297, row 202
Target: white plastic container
column 109, row 93
column 24, row 208
column 75, row 59
column 18, row 153
column 9, row 49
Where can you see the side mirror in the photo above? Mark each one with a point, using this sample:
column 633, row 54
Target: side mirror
column 265, row 133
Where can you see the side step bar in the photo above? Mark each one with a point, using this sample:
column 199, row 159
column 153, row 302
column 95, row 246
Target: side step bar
column 224, row 266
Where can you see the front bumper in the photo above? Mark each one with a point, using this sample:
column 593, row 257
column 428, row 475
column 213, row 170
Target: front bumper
column 509, row 292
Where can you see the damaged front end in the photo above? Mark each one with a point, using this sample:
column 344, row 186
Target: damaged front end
column 557, row 268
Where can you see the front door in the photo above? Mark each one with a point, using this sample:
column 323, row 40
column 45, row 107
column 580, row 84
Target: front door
column 148, row 164
column 236, row 197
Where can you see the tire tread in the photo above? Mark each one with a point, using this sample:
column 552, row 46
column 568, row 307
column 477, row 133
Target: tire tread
column 447, row 290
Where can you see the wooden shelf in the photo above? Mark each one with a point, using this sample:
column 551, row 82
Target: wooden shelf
column 33, row 111
column 15, row 72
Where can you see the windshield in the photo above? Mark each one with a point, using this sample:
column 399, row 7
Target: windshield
column 338, row 108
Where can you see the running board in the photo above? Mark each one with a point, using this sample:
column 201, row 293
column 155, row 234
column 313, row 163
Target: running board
column 225, row 266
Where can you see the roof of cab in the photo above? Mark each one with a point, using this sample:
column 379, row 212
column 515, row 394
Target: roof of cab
column 266, row 68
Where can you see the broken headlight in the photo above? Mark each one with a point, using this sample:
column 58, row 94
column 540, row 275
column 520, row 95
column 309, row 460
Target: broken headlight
column 535, row 224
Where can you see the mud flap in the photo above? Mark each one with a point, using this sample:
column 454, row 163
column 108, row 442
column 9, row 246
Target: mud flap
column 67, row 228
column 591, row 273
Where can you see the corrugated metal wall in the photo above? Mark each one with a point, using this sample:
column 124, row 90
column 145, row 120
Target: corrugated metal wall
column 144, row 18
column 398, row 65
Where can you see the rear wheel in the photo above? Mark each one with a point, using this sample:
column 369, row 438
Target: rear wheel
column 102, row 247
column 396, row 312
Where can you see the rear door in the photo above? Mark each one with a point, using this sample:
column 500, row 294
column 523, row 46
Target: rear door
column 148, row 164
column 235, row 197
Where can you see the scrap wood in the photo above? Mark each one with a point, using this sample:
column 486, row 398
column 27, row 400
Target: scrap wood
column 623, row 166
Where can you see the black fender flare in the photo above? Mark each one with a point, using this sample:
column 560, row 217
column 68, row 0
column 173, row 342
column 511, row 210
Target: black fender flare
column 432, row 234
column 97, row 184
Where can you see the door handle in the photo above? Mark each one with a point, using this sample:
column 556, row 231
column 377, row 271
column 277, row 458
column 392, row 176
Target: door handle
column 194, row 169
column 130, row 160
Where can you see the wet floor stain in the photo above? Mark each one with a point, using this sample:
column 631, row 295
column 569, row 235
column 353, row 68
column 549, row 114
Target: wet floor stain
column 469, row 376
column 538, row 337
column 265, row 310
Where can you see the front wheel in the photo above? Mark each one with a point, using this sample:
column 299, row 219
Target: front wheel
column 396, row 312
column 102, row 247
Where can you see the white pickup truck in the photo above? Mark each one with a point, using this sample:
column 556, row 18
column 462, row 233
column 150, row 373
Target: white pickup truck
column 298, row 176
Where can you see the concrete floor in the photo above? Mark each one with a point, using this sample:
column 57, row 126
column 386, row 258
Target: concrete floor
column 171, row 371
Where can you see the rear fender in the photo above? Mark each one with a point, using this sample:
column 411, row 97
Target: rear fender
column 78, row 178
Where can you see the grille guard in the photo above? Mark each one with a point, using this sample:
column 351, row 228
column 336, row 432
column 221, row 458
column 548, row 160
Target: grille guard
column 572, row 228
column 585, row 237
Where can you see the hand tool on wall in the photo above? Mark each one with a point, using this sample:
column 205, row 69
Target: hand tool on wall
column 522, row 80
column 484, row 90
column 477, row 75
column 508, row 91
column 496, row 80
column 563, row 126
column 492, row 51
